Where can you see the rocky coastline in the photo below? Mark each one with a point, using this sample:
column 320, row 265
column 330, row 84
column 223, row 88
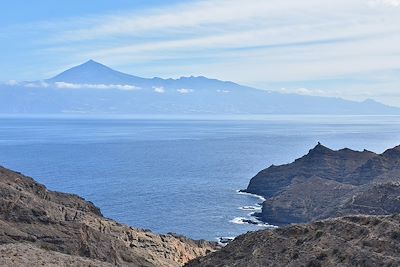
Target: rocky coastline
column 335, row 208
column 328, row 183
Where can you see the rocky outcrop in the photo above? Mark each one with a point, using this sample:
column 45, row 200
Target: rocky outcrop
column 23, row 254
column 347, row 241
column 327, row 183
column 66, row 229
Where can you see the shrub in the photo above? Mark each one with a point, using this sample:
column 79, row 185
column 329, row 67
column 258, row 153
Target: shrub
column 318, row 234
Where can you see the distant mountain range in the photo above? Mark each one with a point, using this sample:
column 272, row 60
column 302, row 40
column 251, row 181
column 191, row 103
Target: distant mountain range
column 93, row 88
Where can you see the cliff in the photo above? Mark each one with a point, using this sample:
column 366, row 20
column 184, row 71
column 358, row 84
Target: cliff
column 347, row 241
column 40, row 226
column 327, row 183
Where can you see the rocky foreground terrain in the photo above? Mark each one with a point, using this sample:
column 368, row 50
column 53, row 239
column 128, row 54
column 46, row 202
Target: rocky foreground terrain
column 39, row 227
column 327, row 183
column 366, row 241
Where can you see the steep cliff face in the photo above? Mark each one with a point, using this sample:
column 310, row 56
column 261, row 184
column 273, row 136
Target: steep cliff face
column 320, row 162
column 64, row 226
column 348, row 241
column 327, row 183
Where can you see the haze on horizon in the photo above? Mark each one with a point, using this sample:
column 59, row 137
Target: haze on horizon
column 343, row 48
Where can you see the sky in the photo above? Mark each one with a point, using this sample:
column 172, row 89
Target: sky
column 341, row 48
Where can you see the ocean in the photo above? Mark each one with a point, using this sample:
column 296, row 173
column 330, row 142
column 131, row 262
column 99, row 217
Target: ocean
column 176, row 175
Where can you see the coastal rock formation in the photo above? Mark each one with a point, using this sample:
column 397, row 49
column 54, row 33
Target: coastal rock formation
column 36, row 223
column 347, row 241
column 327, row 183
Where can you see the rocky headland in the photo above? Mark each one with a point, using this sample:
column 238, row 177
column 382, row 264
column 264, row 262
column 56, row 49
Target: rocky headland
column 39, row 227
column 329, row 183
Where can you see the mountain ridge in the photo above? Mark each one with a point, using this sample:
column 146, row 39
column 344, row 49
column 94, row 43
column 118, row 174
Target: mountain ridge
column 93, row 72
column 93, row 88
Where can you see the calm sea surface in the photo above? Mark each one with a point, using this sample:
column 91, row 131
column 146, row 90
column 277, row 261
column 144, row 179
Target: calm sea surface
column 175, row 175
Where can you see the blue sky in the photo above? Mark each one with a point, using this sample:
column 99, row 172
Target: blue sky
column 342, row 48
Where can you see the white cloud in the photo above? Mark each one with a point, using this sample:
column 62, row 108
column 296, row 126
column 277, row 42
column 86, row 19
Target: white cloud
column 159, row 89
column 320, row 36
column 223, row 91
column 182, row 17
column 64, row 85
column 184, row 91
column 12, row 83
column 39, row 84
column 389, row 3
column 256, row 43
column 303, row 91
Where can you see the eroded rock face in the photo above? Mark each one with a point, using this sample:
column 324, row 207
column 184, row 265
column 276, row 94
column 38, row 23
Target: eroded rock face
column 327, row 183
column 347, row 241
column 51, row 222
column 23, row 254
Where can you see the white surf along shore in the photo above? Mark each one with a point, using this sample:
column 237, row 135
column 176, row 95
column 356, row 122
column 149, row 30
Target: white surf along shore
column 251, row 219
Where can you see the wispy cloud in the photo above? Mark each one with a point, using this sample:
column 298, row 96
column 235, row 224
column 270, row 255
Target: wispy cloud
column 159, row 89
column 222, row 29
column 303, row 91
column 177, row 19
column 257, row 43
column 390, row 3
column 65, row 85
column 11, row 82
column 125, row 87
column 39, row 84
column 184, row 91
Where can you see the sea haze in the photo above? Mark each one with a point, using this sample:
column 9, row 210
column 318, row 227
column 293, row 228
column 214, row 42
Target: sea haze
column 176, row 175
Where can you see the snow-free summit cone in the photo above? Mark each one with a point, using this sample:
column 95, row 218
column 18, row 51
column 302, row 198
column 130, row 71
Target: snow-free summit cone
column 93, row 72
